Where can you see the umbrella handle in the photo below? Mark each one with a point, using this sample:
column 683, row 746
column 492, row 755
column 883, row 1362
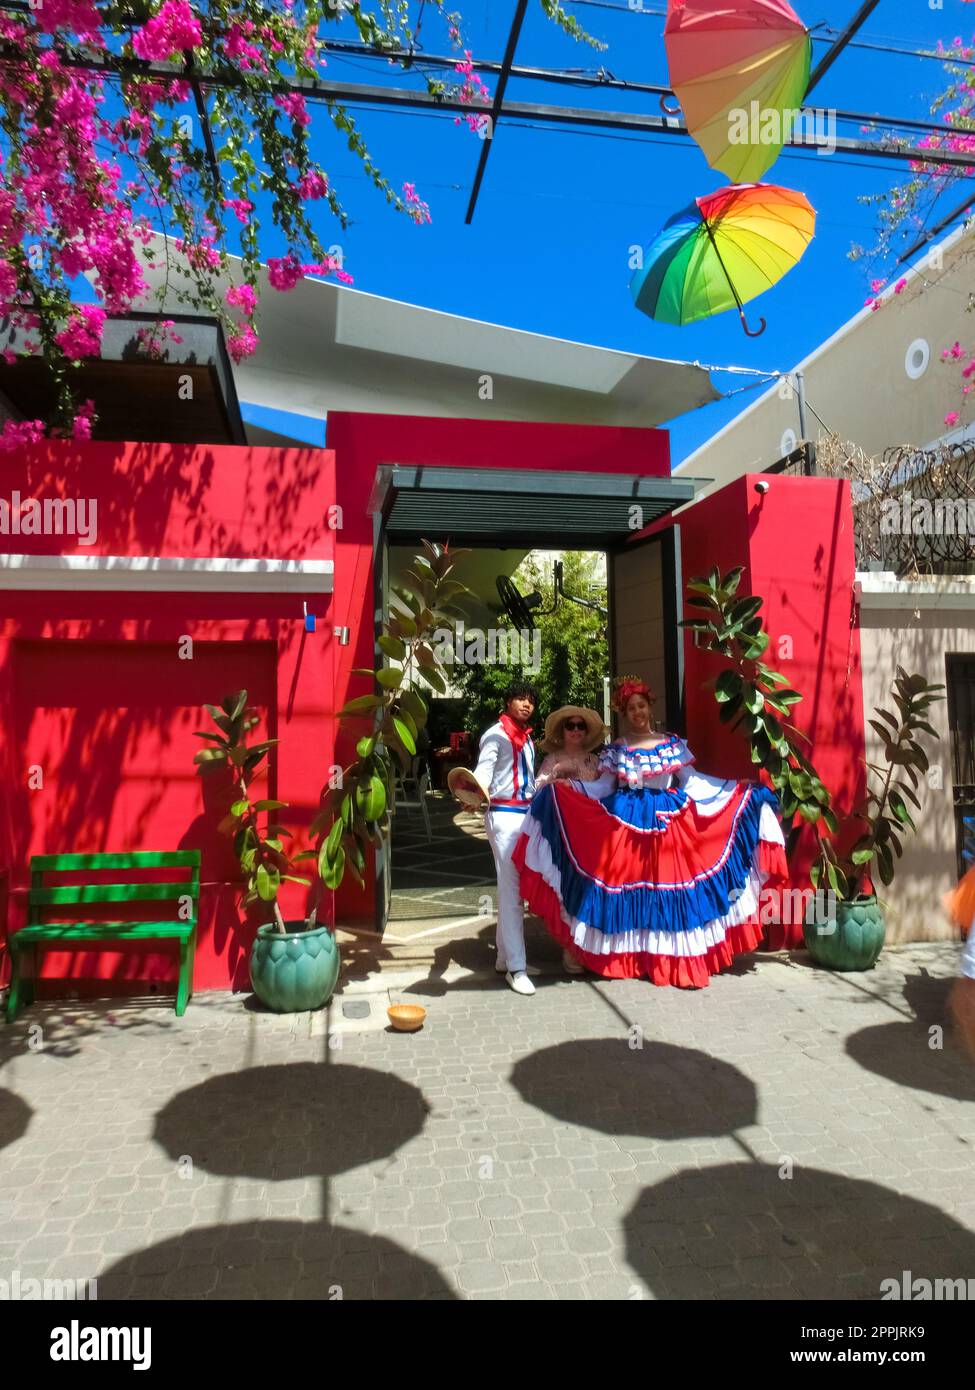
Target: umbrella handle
column 669, row 110
column 752, row 332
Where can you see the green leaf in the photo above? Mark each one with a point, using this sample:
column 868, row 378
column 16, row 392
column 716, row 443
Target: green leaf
column 265, row 805
column 362, row 704
column 753, row 698
column 405, row 737
column 234, row 704
column 926, row 728
column 264, row 884
column 390, row 677
column 334, row 838
column 393, row 647
column 213, row 738
column 210, row 755
column 727, row 686
column 239, row 808
column 332, row 871
column 434, row 679
column 365, row 746
column 413, row 705
column 744, row 610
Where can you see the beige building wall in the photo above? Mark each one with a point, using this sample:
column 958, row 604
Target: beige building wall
column 865, row 383
column 917, row 639
column 638, row 621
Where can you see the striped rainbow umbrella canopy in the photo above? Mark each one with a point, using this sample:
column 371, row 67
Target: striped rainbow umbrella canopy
column 739, row 69
column 722, row 251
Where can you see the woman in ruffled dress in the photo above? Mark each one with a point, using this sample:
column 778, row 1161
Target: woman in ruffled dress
column 654, row 870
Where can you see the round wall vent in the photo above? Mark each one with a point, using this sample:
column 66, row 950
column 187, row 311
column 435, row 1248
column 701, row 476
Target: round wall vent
column 917, row 358
column 787, row 443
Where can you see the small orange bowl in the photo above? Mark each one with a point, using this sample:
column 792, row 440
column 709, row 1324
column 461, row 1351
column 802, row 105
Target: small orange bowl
column 406, row 1018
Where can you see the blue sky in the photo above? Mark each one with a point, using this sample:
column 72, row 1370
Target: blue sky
column 558, row 210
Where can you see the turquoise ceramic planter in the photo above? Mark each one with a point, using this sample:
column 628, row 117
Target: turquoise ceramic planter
column 294, row 972
column 852, row 940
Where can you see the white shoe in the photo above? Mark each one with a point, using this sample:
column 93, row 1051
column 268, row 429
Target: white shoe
column 570, row 964
column 520, row 982
column 529, row 969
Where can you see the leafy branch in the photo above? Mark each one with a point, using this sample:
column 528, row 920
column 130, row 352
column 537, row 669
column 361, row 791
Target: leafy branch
column 758, row 700
column 356, row 813
column 264, row 862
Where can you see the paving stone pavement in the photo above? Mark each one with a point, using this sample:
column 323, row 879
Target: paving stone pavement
column 786, row 1133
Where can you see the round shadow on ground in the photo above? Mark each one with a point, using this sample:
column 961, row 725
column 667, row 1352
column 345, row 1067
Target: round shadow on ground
column 902, row 1053
column 657, row 1091
column 741, row 1231
column 15, row 1116
column 302, row 1119
column 273, row 1260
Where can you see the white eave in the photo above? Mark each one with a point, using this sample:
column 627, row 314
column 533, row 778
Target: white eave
column 328, row 348
column 949, row 592
column 156, row 574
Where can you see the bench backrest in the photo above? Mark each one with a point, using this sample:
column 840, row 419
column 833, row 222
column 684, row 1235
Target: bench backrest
column 49, row 890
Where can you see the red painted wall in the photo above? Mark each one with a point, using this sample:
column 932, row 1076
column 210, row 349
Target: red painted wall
column 361, row 443
column 98, row 697
column 796, row 543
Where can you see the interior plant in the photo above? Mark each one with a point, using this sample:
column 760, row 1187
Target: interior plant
column 294, row 964
column 356, row 812
column 844, row 927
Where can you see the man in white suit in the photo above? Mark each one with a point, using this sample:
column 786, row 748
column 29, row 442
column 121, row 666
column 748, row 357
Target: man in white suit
column 506, row 772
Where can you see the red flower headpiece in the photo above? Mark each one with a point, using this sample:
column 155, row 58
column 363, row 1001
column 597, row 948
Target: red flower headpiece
column 627, row 686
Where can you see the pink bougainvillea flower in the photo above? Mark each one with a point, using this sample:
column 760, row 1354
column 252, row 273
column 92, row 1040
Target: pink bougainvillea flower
column 17, row 433
column 83, row 421
column 241, row 207
column 242, row 342
column 173, row 29
column 242, row 297
column 313, row 185
column 952, row 418
column 83, row 335
column 901, row 284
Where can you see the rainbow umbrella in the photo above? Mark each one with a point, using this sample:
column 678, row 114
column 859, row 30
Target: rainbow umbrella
column 722, row 251
column 739, row 70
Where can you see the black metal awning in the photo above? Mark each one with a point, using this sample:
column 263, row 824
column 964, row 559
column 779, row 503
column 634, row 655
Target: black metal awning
column 517, row 506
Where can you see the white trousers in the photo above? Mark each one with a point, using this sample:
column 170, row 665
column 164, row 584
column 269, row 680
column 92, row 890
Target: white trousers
column 503, row 829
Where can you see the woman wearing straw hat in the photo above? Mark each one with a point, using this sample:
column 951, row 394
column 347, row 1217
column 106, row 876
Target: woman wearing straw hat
column 571, row 736
column 655, row 870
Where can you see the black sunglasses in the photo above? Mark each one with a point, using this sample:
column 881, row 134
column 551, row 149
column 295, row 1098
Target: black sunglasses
column 575, row 724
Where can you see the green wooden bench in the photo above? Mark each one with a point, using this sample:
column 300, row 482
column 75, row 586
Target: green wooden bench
column 45, row 895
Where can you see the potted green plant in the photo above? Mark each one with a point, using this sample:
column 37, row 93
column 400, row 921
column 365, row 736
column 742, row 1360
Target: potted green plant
column 852, row 936
column 844, row 925
column 294, row 965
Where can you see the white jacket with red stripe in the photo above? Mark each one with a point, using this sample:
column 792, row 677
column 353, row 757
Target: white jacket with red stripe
column 507, row 777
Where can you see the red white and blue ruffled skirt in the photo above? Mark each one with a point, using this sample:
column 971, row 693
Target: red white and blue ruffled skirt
column 663, row 884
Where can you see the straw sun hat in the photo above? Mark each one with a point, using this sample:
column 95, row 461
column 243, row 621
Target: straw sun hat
column 468, row 790
column 555, row 738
